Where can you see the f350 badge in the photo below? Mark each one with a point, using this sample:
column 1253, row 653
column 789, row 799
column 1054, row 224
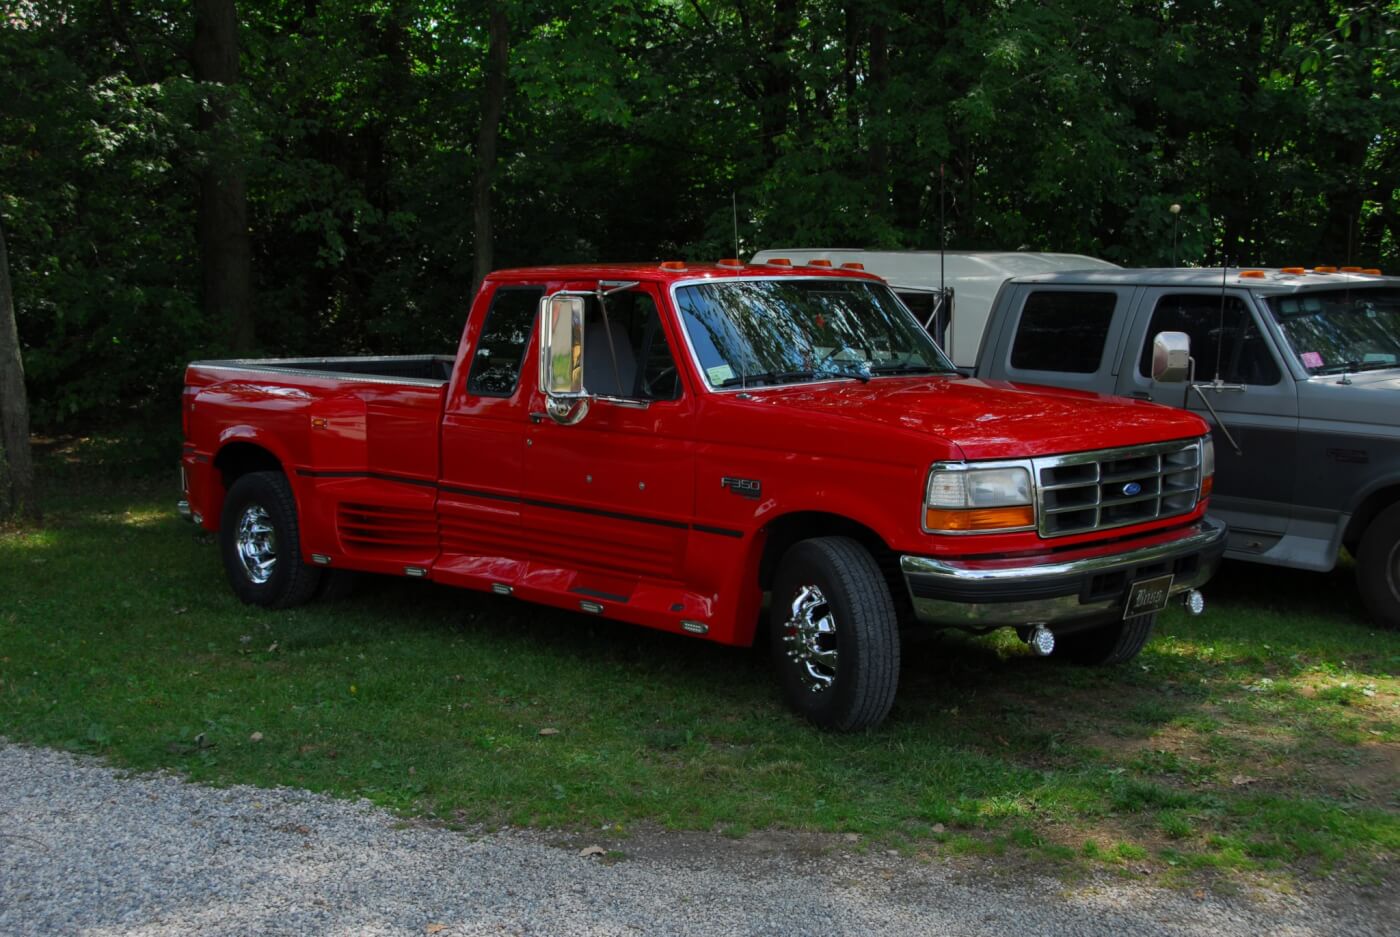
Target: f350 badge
column 743, row 487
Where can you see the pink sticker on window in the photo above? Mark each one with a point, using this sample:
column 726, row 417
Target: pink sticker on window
column 1312, row 359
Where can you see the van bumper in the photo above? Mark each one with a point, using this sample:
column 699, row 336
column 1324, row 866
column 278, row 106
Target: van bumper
column 1079, row 588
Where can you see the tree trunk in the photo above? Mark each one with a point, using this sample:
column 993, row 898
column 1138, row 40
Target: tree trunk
column 494, row 94
column 225, row 249
column 16, row 464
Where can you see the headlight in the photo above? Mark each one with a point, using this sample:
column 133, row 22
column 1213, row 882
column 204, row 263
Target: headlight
column 1207, row 466
column 960, row 499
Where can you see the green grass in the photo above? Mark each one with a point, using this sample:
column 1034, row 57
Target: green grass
column 1263, row 736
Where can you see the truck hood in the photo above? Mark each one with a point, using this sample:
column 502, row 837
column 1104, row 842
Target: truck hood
column 1365, row 405
column 984, row 419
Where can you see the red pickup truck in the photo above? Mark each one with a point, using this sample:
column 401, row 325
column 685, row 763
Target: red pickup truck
column 670, row 445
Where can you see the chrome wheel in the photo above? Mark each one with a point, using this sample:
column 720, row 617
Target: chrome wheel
column 810, row 637
column 257, row 543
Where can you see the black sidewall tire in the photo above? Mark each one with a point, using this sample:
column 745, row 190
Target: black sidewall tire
column 1108, row 645
column 292, row 582
column 1378, row 568
column 867, row 634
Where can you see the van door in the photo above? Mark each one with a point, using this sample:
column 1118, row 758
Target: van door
column 1255, row 397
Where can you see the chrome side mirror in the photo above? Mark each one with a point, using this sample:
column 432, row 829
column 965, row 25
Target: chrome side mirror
column 1171, row 357
column 561, row 358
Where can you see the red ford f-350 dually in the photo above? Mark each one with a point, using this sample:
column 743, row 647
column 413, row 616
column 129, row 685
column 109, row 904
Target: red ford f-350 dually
column 666, row 445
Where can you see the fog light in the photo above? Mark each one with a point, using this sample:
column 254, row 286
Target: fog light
column 1195, row 602
column 1042, row 640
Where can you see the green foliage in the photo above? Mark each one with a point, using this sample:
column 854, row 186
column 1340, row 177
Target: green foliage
column 632, row 128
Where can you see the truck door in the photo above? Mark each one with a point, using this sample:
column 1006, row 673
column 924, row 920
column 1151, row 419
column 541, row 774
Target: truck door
column 608, row 501
column 483, row 447
column 1255, row 398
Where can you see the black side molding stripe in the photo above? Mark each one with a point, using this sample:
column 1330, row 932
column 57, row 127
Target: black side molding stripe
column 533, row 502
column 721, row 531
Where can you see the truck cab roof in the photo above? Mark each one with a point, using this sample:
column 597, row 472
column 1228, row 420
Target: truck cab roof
column 673, row 271
column 1264, row 280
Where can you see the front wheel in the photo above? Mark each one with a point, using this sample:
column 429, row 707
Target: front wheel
column 260, row 543
column 835, row 634
column 1378, row 568
column 1107, row 645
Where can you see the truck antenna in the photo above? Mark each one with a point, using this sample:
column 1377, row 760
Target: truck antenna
column 734, row 203
column 1220, row 340
column 942, row 231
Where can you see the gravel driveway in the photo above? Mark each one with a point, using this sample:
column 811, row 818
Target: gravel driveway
column 85, row 850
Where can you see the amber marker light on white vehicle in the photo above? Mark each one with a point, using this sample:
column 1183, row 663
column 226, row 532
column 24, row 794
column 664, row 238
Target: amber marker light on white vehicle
column 963, row 499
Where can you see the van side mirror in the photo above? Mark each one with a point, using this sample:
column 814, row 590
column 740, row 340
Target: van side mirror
column 561, row 358
column 1171, row 357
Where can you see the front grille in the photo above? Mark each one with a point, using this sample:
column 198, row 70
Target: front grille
column 1089, row 491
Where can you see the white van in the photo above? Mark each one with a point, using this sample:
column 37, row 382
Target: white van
column 972, row 278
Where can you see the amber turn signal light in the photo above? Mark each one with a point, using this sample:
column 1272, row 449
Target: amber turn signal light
column 1022, row 515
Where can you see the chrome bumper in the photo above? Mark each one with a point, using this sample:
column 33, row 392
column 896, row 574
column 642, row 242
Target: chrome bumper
column 1074, row 591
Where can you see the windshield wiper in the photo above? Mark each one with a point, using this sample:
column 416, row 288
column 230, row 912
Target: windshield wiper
column 907, row 368
column 767, row 377
column 787, row 377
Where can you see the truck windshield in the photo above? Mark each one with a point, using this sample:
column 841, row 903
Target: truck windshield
column 750, row 333
column 1342, row 330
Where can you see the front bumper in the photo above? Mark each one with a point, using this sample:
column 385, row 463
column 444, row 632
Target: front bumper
column 1068, row 592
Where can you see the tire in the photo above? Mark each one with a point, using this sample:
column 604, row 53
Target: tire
column 1107, row 645
column 260, row 543
column 842, row 679
column 1378, row 568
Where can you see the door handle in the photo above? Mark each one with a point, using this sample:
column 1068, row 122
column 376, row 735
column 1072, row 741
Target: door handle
column 1140, row 395
column 538, row 416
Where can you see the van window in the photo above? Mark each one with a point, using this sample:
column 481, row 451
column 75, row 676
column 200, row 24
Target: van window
column 1063, row 331
column 501, row 345
column 1224, row 338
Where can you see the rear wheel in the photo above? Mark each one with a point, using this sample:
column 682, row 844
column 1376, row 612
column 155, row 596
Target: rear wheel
column 1107, row 645
column 260, row 543
column 1378, row 568
column 834, row 634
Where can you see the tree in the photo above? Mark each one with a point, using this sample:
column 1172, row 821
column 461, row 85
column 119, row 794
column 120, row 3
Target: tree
column 225, row 248
column 16, row 464
column 493, row 103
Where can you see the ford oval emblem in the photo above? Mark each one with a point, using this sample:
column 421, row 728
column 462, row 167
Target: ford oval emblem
column 1132, row 488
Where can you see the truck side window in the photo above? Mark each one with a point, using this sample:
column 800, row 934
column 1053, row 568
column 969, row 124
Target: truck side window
column 1223, row 335
column 626, row 355
column 1063, row 331
column 501, row 344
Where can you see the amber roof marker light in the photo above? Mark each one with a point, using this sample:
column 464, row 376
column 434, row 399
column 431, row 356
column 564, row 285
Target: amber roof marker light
column 677, row 265
column 732, row 262
column 1252, row 274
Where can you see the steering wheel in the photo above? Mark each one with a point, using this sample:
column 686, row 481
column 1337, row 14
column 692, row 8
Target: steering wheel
column 649, row 382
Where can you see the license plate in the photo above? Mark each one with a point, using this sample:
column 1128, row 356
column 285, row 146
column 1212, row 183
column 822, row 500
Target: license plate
column 1148, row 595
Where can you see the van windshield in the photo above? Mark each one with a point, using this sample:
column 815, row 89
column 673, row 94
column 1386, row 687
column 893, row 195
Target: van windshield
column 1342, row 330
column 749, row 333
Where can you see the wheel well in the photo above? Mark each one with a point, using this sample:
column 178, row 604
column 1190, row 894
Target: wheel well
column 792, row 528
column 1376, row 502
column 239, row 458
